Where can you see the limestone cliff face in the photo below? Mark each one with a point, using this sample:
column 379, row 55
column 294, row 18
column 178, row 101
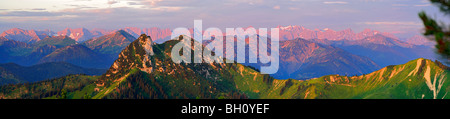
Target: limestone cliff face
column 147, row 44
column 136, row 55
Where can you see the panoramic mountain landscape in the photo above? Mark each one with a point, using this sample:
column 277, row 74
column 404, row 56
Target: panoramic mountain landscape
column 225, row 58
column 316, row 49
column 144, row 70
column 301, row 58
column 340, row 52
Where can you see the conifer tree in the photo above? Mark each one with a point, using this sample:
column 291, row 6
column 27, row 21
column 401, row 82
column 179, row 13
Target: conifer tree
column 438, row 31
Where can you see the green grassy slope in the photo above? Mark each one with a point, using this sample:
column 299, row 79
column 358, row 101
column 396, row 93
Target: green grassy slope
column 76, row 85
column 407, row 81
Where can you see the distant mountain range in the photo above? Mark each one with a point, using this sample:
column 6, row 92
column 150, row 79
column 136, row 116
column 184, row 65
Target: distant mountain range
column 302, row 59
column 305, row 53
column 291, row 32
column 27, row 36
column 95, row 53
column 382, row 50
column 160, row 35
column 80, row 34
column 307, row 58
column 144, row 70
column 420, row 40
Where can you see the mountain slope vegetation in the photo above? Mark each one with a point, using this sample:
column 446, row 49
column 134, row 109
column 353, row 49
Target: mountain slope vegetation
column 12, row 73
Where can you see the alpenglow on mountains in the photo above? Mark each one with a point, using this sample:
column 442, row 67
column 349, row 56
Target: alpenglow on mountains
column 160, row 35
column 310, row 54
column 144, row 70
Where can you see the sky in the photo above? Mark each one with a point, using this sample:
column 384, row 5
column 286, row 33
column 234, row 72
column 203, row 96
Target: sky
column 395, row 16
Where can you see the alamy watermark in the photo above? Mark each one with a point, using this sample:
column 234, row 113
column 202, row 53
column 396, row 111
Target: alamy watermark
column 272, row 59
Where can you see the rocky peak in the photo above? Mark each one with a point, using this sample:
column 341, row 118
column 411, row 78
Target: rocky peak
column 136, row 55
column 27, row 36
column 146, row 42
